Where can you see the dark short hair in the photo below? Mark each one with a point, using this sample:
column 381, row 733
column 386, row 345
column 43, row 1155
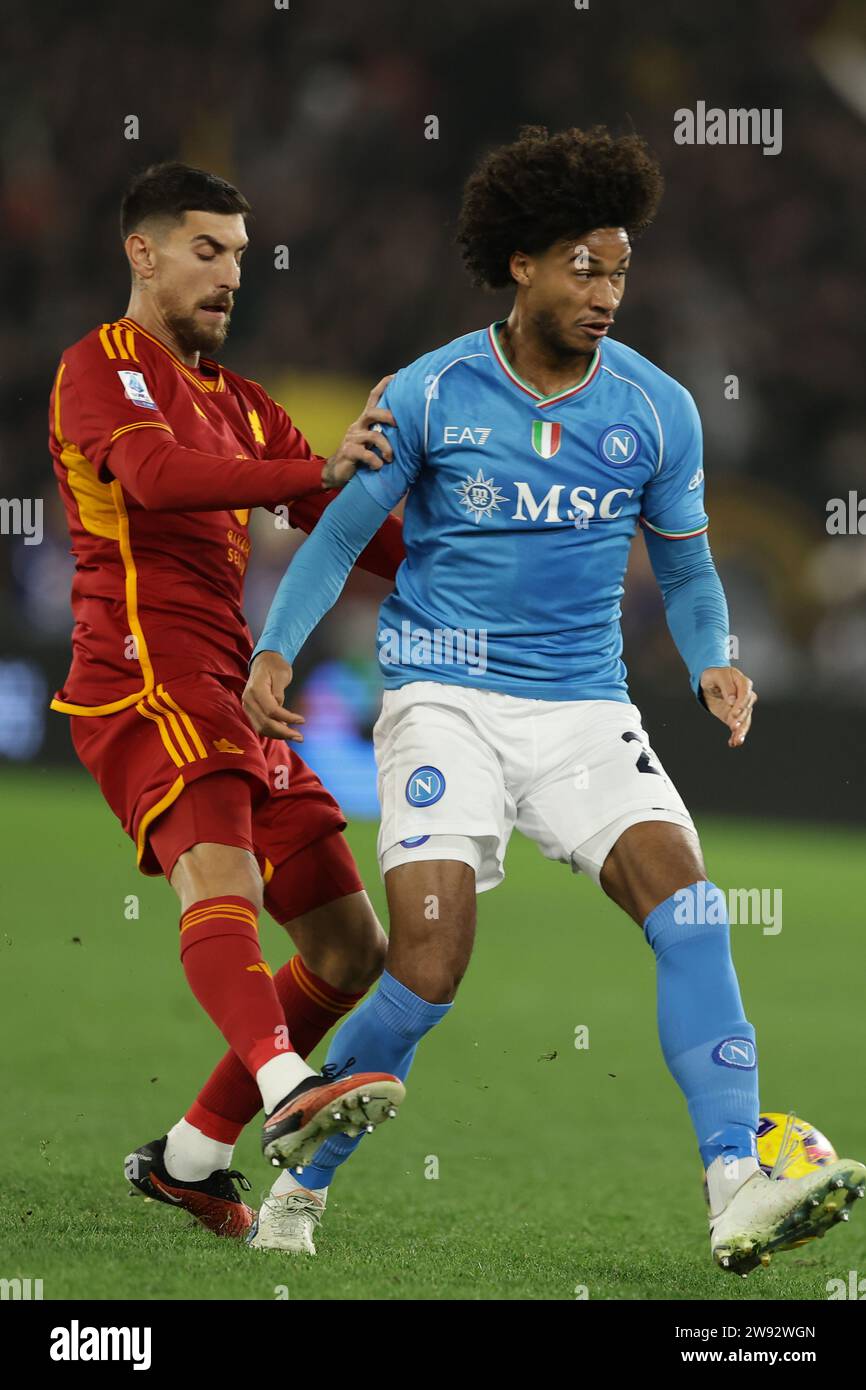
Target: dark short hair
column 548, row 188
column 171, row 189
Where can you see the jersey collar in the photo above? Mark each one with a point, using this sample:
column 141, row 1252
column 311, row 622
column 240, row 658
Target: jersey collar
column 541, row 401
column 217, row 385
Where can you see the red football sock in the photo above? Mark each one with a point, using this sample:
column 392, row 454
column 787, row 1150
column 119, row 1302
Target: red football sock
column 219, row 947
column 230, row 1097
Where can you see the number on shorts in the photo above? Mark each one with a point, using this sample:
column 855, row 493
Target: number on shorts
column 644, row 762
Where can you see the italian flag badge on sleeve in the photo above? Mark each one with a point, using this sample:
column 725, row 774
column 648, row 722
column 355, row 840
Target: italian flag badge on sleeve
column 546, row 436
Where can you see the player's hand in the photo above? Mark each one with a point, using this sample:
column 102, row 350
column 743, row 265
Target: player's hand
column 730, row 697
column 360, row 441
column 269, row 679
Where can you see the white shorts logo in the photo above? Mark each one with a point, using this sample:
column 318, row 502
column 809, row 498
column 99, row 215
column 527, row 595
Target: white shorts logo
column 135, row 389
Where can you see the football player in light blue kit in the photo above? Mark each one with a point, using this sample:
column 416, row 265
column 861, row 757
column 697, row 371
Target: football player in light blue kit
column 529, row 453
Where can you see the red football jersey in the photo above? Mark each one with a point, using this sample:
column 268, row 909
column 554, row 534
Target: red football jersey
column 158, row 464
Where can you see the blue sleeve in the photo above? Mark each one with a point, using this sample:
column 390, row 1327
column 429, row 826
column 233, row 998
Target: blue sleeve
column 695, row 605
column 315, row 578
column 673, row 501
column 406, row 398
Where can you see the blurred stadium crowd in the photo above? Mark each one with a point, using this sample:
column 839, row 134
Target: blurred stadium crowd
column 318, row 113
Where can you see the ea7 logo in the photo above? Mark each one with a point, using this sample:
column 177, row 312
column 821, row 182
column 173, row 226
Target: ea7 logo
column 465, row 434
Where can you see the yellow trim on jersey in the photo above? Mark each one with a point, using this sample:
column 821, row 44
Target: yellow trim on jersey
column 93, row 498
column 121, row 344
column 131, row 595
column 103, row 338
column 150, row 816
column 256, row 426
column 132, row 587
column 206, row 387
column 141, row 425
column 116, row 334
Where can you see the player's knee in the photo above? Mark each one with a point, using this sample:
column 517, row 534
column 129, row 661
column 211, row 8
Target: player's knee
column 436, row 982
column 355, row 966
column 216, row 871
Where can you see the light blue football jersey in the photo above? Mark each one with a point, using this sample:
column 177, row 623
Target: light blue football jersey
column 520, row 513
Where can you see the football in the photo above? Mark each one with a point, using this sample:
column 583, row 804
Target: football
column 789, row 1147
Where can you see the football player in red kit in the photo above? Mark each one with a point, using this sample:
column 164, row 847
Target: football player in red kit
column 160, row 453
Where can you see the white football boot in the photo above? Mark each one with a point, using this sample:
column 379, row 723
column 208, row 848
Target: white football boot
column 753, row 1215
column 288, row 1217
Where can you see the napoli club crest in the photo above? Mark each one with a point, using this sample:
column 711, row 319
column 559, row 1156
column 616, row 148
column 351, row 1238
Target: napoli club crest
column 619, row 444
column 425, row 787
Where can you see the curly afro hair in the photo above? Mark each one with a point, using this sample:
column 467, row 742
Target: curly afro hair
column 545, row 188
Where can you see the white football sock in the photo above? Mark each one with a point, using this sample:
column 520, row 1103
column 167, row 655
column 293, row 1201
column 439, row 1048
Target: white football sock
column 279, row 1076
column 287, row 1182
column 724, row 1179
column 191, row 1156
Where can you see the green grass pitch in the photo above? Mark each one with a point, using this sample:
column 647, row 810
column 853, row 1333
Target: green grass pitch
column 558, row 1169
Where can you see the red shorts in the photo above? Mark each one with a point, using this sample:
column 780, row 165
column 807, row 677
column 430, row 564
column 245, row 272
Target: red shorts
column 144, row 757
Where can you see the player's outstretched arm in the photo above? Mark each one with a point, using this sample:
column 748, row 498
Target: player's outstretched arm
column 163, row 476
column 364, row 446
column 697, row 618
column 385, row 553
column 309, row 588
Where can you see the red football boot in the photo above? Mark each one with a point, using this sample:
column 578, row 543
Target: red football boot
column 214, row 1202
column 323, row 1105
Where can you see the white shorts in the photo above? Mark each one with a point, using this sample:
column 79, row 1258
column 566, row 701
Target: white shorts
column 473, row 764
